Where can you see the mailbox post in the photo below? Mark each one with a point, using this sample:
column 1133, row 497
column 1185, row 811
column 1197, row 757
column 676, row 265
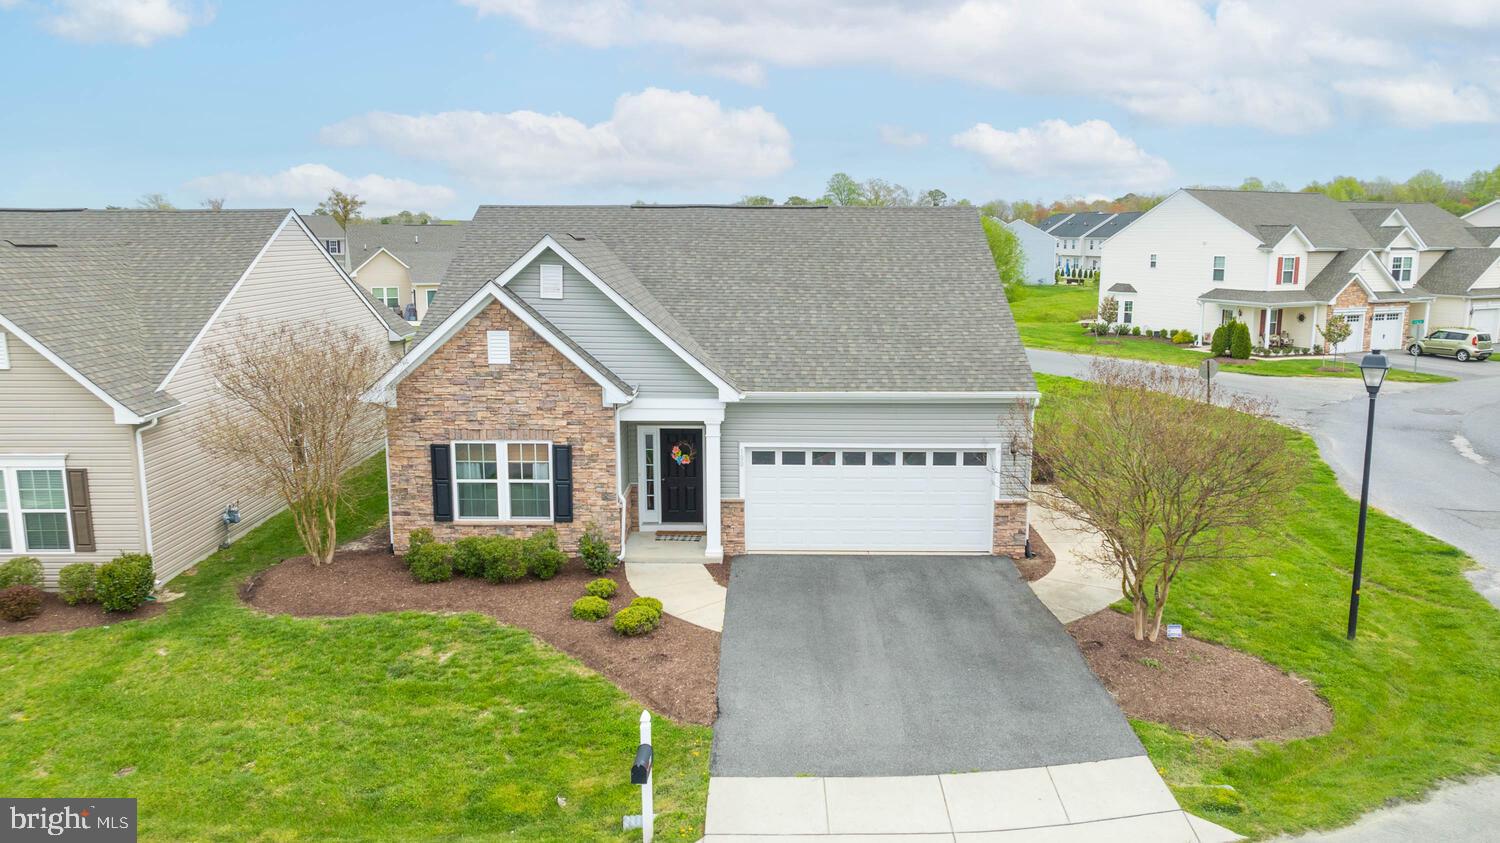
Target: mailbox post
column 640, row 773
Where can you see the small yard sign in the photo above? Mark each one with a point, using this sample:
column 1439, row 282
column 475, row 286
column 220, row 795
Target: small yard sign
column 1174, row 631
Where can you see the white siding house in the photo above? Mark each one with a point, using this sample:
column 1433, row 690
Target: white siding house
column 1038, row 250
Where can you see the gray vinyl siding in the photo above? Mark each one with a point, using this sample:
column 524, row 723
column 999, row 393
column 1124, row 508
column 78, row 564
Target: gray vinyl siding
column 189, row 488
column 874, row 424
column 611, row 335
column 44, row 411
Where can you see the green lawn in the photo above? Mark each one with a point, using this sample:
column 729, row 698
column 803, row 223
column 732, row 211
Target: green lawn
column 1048, row 318
column 1414, row 699
column 230, row 725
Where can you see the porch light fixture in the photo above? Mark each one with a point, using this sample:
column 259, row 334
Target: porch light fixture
column 1373, row 368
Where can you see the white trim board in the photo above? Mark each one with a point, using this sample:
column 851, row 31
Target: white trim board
column 376, row 255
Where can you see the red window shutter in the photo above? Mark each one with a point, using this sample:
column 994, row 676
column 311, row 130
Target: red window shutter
column 1297, row 270
column 1280, row 263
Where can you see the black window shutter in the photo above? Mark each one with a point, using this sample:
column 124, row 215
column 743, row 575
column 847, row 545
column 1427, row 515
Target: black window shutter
column 81, row 510
column 562, row 483
column 442, row 484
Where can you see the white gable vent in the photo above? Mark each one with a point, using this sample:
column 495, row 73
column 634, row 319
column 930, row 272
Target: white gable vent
column 499, row 347
column 552, row 281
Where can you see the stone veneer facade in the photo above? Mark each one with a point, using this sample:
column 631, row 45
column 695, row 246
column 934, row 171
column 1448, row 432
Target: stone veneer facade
column 456, row 395
column 732, row 526
column 1353, row 297
column 1011, row 529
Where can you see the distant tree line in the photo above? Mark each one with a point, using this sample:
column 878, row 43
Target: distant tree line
column 844, row 190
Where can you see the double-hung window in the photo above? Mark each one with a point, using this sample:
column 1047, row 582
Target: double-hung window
column 334, row 247
column 1287, row 271
column 1127, row 312
column 1153, row 260
column 1401, row 269
column 33, row 509
column 521, row 491
column 1218, row 267
column 389, row 296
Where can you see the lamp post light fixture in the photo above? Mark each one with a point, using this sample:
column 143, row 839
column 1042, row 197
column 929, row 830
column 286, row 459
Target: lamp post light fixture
column 1373, row 369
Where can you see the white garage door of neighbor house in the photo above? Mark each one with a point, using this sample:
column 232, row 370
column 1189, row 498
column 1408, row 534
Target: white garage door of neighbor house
column 871, row 499
column 1356, row 339
column 1385, row 330
column 1487, row 320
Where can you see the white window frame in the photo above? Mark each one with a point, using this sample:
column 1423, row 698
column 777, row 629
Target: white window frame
column 1127, row 311
column 550, row 283
column 1286, row 270
column 1153, row 260
column 379, row 294
column 16, row 517
column 1220, row 268
column 502, row 482
column 1409, row 271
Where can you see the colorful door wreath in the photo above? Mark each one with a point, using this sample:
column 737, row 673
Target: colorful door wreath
column 683, row 453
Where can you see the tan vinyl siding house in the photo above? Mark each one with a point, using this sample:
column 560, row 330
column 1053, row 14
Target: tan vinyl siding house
column 401, row 265
column 255, row 267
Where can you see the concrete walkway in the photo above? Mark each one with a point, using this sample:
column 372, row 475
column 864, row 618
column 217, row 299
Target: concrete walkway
column 1119, row 800
column 1076, row 587
column 686, row 590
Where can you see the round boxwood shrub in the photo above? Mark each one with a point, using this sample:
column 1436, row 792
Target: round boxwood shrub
column 470, row 554
column 432, row 562
column 590, row 608
column 22, row 570
column 635, row 620
column 75, row 583
column 649, row 602
column 545, row 565
column 19, row 602
column 417, row 538
column 123, row 583
column 602, row 588
column 504, row 559
column 593, row 548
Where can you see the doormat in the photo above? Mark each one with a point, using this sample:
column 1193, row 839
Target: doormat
column 679, row 537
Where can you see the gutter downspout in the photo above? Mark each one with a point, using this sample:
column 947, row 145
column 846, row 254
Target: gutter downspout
column 140, row 462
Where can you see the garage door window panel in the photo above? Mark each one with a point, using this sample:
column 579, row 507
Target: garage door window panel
column 824, row 458
column 854, row 458
column 913, row 457
column 762, row 457
column 945, row 458
column 883, row 458
column 976, row 458
column 794, row 458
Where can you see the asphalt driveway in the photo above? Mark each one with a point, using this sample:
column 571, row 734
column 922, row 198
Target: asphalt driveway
column 901, row 665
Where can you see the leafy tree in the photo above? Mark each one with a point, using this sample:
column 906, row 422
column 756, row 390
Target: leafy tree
column 343, row 207
column 842, row 189
column 1168, row 481
column 756, row 200
column 214, row 203
column 1009, row 259
column 1342, row 188
column 1252, row 183
column 1109, row 310
column 155, row 202
column 1425, row 186
column 1483, row 187
column 933, row 198
column 885, row 194
column 794, row 199
column 1334, row 331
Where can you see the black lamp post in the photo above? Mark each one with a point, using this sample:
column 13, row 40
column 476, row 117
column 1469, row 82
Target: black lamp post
column 1373, row 367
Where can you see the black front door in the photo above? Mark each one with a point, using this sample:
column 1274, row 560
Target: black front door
column 681, row 476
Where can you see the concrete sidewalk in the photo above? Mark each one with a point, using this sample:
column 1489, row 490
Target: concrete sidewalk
column 1076, row 587
column 686, row 590
column 1119, row 800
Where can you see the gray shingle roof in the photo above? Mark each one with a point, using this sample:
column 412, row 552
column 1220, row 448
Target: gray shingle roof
column 119, row 294
column 1080, row 224
column 1114, row 224
column 1051, row 220
column 1437, row 228
column 425, row 249
column 784, row 299
column 1327, row 223
column 1486, row 235
column 1284, row 298
column 1456, row 271
column 1339, row 272
column 1122, row 287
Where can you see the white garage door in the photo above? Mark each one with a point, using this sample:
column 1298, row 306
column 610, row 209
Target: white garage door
column 1386, row 329
column 1356, row 339
column 1488, row 321
column 877, row 499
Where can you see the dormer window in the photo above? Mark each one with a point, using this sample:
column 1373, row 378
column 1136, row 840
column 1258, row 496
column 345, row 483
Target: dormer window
column 334, row 247
column 1287, row 272
column 1401, row 269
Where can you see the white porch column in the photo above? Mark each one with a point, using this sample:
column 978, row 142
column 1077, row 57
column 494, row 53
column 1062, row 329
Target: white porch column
column 714, row 544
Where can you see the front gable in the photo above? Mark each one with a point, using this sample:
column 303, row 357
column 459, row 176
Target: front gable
column 1374, row 275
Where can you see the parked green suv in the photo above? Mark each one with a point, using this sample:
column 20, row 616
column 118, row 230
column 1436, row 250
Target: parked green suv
column 1459, row 343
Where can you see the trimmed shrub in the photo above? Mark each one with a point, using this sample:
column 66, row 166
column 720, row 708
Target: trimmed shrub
column 1136, row 331
column 1182, row 338
column 469, row 556
column 75, row 583
column 431, row 562
column 504, row 559
column 545, row 565
column 19, row 602
column 535, row 553
column 649, row 602
column 22, row 570
column 417, row 538
column 602, row 588
column 1220, row 344
column 590, row 608
column 125, row 582
column 593, row 548
column 1239, row 343
column 636, row 620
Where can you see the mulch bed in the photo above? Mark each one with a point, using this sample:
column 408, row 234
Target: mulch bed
column 720, row 572
column 1198, row 687
column 58, row 616
column 1039, row 565
column 673, row 670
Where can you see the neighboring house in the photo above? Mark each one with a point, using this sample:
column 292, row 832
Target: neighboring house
column 105, row 317
column 1080, row 238
column 1037, row 251
column 1486, row 223
column 758, row 378
column 400, row 265
column 1283, row 263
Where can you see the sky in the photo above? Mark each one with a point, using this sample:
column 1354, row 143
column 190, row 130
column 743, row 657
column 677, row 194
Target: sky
column 442, row 105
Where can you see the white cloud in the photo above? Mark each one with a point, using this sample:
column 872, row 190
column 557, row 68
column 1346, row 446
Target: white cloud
column 1274, row 64
column 1091, row 151
column 305, row 185
column 899, row 136
column 1420, row 102
column 137, row 22
column 655, row 138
